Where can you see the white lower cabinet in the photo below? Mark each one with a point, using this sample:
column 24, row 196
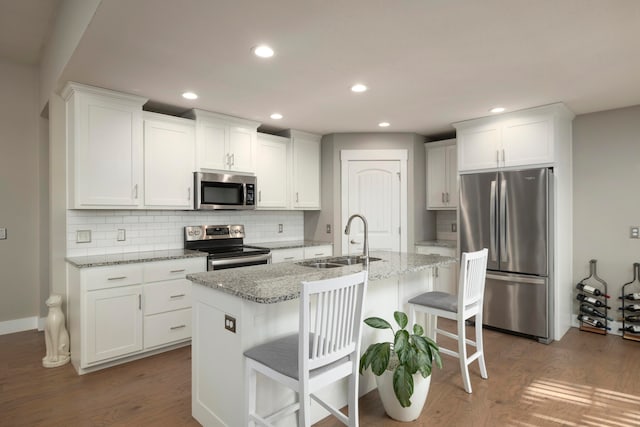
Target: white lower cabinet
column 123, row 312
column 311, row 252
column 444, row 276
column 298, row 254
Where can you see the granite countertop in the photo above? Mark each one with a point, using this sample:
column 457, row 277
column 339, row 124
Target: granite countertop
column 440, row 243
column 272, row 283
column 290, row 244
column 132, row 257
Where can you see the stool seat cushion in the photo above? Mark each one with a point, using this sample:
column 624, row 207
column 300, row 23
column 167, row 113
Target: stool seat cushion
column 281, row 355
column 440, row 300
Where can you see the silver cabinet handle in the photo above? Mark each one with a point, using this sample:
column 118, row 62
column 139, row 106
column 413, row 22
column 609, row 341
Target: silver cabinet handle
column 233, row 159
column 436, row 272
column 289, row 257
column 173, row 328
column 135, row 191
column 442, row 197
column 320, row 254
column 177, row 271
column 498, row 157
column 228, row 162
column 139, row 301
column 503, row 157
column 297, row 198
column 177, row 296
column 354, row 242
column 189, row 193
column 259, row 195
column 117, row 278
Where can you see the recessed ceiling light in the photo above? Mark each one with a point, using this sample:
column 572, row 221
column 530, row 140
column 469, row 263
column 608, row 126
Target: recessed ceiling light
column 358, row 87
column 384, row 124
column 189, row 95
column 497, row 110
column 276, row 116
column 263, row 51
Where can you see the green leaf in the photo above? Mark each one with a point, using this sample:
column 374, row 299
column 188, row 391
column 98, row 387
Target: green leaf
column 401, row 319
column 403, row 386
column 401, row 343
column 421, row 343
column 380, row 358
column 424, row 364
column 411, row 360
column 368, row 356
column 378, row 323
column 418, row 330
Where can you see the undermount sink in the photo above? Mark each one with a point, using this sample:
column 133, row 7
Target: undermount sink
column 335, row 262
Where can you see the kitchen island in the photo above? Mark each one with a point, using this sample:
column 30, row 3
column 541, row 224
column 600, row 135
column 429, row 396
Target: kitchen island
column 236, row 309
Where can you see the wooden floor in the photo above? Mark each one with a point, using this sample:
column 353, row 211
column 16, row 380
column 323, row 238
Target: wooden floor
column 583, row 380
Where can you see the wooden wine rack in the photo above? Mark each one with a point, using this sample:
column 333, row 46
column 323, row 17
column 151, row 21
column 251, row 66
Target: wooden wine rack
column 595, row 281
column 628, row 288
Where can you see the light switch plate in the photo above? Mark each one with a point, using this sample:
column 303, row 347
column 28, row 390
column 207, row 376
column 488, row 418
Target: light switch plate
column 230, row 323
column 83, row 236
column 122, row 235
column 3, row 233
column 280, row 228
column 328, row 228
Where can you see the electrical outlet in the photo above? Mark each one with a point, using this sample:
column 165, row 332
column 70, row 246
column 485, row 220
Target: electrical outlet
column 3, row 233
column 635, row 232
column 83, row 236
column 122, row 235
column 454, row 227
column 328, row 228
column 230, row 323
column 280, row 228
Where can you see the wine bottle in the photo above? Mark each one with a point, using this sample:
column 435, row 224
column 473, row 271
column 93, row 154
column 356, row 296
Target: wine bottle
column 592, row 322
column 631, row 328
column 633, row 297
column 632, row 318
column 585, row 308
column 630, row 307
column 591, row 300
column 591, row 290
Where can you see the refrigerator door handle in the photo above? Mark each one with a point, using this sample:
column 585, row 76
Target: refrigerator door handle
column 534, row 280
column 492, row 223
column 503, row 221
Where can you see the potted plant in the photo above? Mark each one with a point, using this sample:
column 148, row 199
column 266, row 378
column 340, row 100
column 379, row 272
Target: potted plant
column 402, row 368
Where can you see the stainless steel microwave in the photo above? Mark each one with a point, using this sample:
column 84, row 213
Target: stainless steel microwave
column 224, row 191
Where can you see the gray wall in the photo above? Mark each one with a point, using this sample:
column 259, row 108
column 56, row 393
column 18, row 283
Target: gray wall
column 421, row 223
column 21, row 176
column 606, row 172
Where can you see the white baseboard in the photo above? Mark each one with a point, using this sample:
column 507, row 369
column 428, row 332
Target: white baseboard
column 19, row 325
column 41, row 322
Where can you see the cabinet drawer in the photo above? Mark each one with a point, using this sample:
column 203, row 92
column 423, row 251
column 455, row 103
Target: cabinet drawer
column 164, row 328
column 167, row 296
column 318, row 251
column 112, row 276
column 284, row 255
column 436, row 250
column 173, row 269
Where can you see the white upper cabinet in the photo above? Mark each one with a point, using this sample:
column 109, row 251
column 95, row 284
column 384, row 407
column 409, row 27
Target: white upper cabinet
column 442, row 175
column 306, row 170
column 225, row 143
column 104, row 148
column 521, row 138
column 169, row 161
column 273, row 172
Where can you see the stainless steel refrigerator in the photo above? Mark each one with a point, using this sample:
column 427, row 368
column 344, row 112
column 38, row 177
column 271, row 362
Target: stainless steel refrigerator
column 509, row 213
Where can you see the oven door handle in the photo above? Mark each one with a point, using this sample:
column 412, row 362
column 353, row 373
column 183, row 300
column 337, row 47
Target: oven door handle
column 240, row 260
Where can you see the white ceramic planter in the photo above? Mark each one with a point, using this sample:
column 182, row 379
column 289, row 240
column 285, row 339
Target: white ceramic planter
column 390, row 401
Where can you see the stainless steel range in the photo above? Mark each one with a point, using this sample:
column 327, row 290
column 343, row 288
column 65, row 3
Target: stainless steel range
column 225, row 246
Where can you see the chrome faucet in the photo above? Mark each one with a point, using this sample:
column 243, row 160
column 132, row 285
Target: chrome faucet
column 365, row 248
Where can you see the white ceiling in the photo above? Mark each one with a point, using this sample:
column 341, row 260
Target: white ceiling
column 428, row 63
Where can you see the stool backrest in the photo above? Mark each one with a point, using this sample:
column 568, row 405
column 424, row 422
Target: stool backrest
column 331, row 317
column 473, row 272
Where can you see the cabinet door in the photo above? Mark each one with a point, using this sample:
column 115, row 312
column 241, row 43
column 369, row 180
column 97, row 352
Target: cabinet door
column 528, row 141
column 478, row 147
column 212, row 140
column 436, row 177
column 306, row 173
column 169, row 162
column 273, row 172
column 452, row 177
column 445, row 279
column 242, row 149
column 113, row 323
column 107, row 161
column 311, row 252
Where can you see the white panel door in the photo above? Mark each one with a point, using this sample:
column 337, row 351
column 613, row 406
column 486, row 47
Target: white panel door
column 212, row 140
column 113, row 322
column 108, row 159
column 273, row 172
column 242, row 149
column 169, row 162
column 374, row 191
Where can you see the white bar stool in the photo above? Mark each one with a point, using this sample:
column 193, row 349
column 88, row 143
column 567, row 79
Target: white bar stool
column 468, row 303
column 326, row 350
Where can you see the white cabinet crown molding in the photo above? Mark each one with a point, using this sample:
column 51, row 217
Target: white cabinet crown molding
column 558, row 109
column 198, row 114
column 73, row 87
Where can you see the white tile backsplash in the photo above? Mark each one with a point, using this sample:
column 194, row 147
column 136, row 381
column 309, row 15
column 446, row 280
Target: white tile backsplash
column 158, row 230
